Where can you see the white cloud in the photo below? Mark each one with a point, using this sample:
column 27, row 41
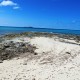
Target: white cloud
column 16, row 7
column 7, row 3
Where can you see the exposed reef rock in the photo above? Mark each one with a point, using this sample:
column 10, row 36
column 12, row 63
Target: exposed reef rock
column 10, row 49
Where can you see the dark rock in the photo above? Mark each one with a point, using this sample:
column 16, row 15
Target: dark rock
column 25, row 63
column 1, row 61
column 10, row 49
column 6, row 45
column 43, row 52
column 35, row 53
column 31, row 48
column 68, row 52
column 33, row 79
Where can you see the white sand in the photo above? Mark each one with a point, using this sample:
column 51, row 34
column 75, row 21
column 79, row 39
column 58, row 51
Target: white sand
column 52, row 62
column 50, row 45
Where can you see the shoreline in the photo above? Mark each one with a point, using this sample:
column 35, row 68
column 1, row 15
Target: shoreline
column 29, row 55
column 11, row 40
column 46, row 34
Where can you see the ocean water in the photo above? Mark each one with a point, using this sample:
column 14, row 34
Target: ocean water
column 8, row 30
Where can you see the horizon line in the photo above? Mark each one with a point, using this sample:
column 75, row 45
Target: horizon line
column 38, row 27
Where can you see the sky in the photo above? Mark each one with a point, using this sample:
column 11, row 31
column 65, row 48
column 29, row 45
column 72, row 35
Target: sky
column 58, row 14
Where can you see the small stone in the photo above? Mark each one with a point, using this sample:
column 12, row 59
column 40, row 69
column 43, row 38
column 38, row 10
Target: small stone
column 68, row 52
column 33, row 79
column 43, row 52
column 1, row 61
column 25, row 63
column 35, row 54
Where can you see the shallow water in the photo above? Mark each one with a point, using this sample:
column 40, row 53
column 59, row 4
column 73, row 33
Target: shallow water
column 8, row 30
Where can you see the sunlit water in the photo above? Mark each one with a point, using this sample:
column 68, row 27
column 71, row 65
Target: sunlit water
column 8, row 30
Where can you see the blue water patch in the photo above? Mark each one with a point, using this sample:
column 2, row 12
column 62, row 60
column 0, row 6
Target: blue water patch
column 8, row 30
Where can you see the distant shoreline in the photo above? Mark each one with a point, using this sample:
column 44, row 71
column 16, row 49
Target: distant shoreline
column 12, row 30
column 39, row 28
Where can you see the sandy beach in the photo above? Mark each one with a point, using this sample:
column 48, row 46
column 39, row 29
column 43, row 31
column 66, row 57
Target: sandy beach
column 39, row 39
column 56, row 59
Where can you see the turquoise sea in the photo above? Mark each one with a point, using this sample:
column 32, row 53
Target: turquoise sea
column 8, row 30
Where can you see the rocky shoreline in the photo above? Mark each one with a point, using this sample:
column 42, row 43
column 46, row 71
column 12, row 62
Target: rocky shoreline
column 30, row 55
column 10, row 49
column 39, row 34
